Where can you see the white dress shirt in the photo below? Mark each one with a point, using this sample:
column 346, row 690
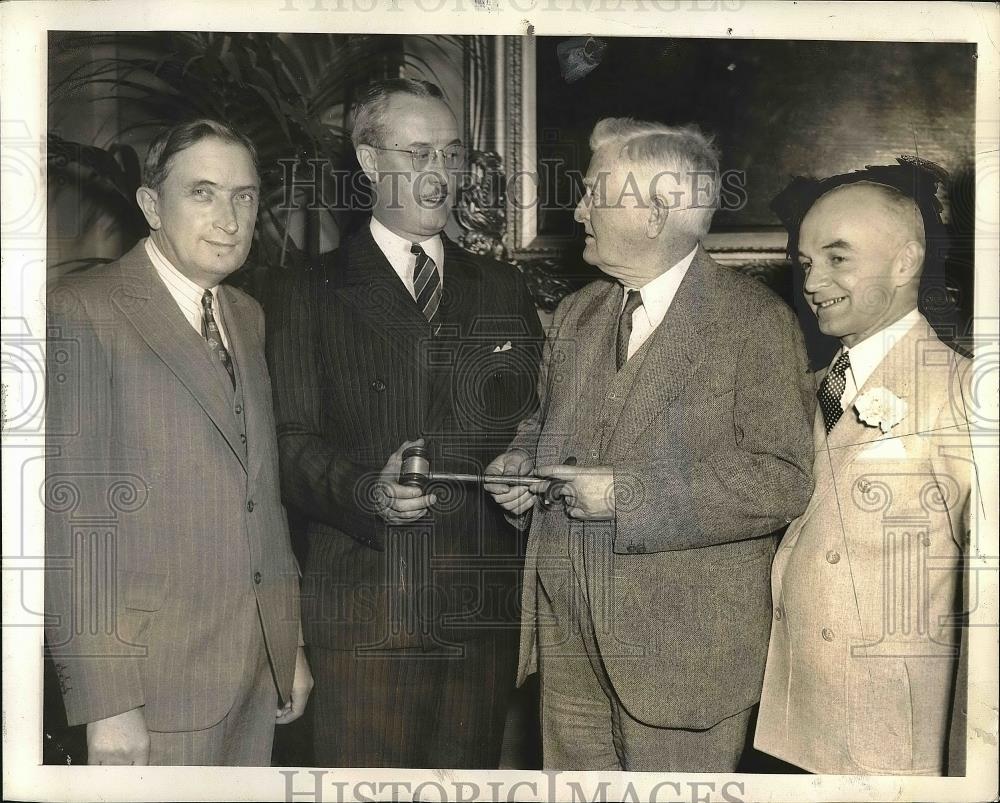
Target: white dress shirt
column 657, row 296
column 186, row 293
column 869, row 353
column 397, row 251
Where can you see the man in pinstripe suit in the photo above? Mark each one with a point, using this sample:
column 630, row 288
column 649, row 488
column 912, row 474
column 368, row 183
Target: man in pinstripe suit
column 409, row 597
column 171, row 587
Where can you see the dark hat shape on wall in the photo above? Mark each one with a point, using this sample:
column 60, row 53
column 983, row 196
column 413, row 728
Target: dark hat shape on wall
column 916, row 178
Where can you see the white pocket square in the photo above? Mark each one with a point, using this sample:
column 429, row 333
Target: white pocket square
column 883, row 449
column 505, row 347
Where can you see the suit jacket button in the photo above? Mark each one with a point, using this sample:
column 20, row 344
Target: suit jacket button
column 778, row 614
column 378, row 385
column 243, row 438
column 827, row 634
column 257, row 577
column 250, row 506
column 239, row 409
column 833, row 556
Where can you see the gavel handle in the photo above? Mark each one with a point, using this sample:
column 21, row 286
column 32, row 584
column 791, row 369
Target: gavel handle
column 504, row 479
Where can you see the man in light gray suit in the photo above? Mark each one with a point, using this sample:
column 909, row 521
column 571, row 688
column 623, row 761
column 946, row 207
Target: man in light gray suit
column 171, row 587
column 678, row 390
column 863, row 672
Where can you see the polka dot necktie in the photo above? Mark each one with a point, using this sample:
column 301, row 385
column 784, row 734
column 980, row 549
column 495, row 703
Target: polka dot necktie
column 426, row 285
column 632, row 303
column 831, row 390
column 211, row 333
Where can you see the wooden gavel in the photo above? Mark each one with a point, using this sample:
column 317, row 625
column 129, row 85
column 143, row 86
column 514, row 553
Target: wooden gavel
column 415, row 472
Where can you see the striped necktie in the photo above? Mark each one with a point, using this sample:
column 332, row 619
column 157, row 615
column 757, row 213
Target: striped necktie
column 210, row 331
column 427, row 286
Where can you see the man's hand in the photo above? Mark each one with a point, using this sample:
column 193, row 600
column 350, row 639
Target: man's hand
column 398, row 504
column 302, row 685
column 588, row 493
column 515, row 499
column 121, row 739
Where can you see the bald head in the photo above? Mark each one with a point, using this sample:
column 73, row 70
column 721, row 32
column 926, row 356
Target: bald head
column 861, row 247
column 887, row 210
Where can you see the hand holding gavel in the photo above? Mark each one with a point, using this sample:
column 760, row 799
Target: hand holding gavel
column 508, row 479
column 511, row 494
column 588, row 493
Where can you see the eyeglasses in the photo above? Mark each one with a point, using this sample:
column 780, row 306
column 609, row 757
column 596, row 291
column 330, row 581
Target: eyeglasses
column 453, row 156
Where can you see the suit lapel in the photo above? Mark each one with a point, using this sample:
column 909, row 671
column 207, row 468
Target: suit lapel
column 896, row 373
column 460, row 304
column 597, row 357
column 674, row 352
column 365, row 281
column 148, row 305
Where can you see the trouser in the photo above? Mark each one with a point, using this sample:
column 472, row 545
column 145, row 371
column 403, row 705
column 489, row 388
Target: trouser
column 243, row 737
column 413, row 707
column 584, row 724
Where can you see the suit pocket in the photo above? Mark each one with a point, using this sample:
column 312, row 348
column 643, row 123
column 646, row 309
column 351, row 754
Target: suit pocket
column 142, row 597
column 145, row 591
column 880, row 715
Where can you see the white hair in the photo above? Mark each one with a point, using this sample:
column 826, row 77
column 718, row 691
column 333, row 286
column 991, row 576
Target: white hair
column 683, row 150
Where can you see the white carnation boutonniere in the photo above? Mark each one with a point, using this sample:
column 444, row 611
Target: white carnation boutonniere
column 881, row 408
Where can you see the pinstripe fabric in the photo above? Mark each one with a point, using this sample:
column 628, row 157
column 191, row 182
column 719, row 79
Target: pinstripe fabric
column 356, row 372
column 243, row 737
column 707, row 430
column 151, row 544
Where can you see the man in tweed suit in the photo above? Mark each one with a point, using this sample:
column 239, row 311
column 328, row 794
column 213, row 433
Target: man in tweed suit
column 867, row 583
column 675, row 407
column 410, row 598
column 171, row 586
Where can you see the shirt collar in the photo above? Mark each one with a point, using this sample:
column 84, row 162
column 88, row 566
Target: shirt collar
column 395, row 247
column 658, row 294
column 869, row 353
column 174, row 279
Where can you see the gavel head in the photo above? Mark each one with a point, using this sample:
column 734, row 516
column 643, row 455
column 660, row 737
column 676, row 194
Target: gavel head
column 415, row 470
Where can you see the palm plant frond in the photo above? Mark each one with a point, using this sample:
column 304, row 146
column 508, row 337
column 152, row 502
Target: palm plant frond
column 276, row 88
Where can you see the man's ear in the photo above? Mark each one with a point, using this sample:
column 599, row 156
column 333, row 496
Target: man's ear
column 147, row 198
column 368, row 161
column 659, row 210
column 909, row 263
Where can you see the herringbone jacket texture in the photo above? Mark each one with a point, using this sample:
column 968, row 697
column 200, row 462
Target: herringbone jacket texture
column 707, row 428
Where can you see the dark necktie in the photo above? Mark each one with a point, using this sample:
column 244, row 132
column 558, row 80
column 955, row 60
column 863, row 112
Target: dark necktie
column 632, row 303
column 831, row 390
column 427, row 286
column 211, row 333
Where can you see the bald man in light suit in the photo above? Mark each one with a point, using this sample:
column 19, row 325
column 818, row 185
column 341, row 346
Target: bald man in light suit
column 861, row 668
